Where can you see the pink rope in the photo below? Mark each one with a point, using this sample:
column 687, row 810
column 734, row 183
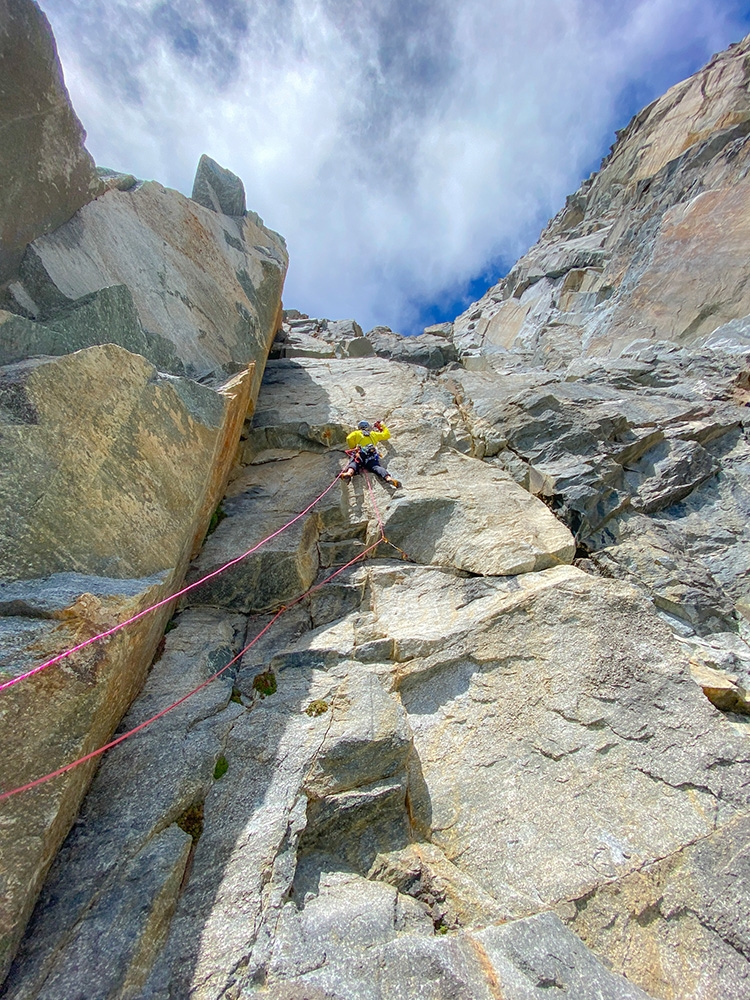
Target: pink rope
column 375, row 504
column 166, row 600
column 131, row 732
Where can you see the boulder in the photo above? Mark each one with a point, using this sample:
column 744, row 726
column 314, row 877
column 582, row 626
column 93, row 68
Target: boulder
column 301, row 345
column 305, row 337
column 720, row 687
column 428, row 349
column 440, row 330
column 218, row 189
column 115, row 179
column 343, row 329
column 302, row 337
column 462, row 514
column 47, row 173
column 302, row 323
column 357, row 347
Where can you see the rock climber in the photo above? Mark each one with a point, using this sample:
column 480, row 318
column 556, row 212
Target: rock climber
column 363, row 451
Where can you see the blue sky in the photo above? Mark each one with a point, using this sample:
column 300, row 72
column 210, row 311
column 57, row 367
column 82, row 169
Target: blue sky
column 408, row 150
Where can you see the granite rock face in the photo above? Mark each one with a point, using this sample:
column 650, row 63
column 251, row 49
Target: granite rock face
column 207, row 284
column 47, row 175
column 487, row 735
column 608, row 371
column 430, row 753
column 429, row 349
column 679, row 926
column 455, row 512
column 650, row 247
column 303, row 337
column 111, row 471
column 644, row 458
column 153, row 450
column 134, row 329
column 104, row 317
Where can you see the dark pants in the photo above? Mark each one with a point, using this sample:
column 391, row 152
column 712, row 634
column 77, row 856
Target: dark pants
column 370, row 467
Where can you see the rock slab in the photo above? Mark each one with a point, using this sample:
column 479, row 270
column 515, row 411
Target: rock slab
column 207, row 284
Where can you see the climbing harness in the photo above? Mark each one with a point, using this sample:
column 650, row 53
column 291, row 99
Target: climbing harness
column 363, row 454
column 166, row 600
column 276, row 615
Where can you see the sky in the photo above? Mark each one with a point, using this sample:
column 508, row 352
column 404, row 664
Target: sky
column 408, row 150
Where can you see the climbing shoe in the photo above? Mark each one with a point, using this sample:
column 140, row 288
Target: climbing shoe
column 395, row 483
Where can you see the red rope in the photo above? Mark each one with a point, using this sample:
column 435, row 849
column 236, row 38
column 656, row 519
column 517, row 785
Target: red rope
column 375, row 505
column 166, row 600
column 169, row 708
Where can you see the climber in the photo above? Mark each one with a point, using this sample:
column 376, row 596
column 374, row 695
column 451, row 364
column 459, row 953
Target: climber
column 363, row 452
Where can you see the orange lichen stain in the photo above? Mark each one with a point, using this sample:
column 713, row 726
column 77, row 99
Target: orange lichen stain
column 196, row 240
column 487, row 968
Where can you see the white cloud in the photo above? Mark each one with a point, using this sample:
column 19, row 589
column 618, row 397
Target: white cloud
column 401, row 146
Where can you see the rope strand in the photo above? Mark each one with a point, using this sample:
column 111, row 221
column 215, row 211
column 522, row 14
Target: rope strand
column 276, row 615
column 147, row 722
column 166, row 600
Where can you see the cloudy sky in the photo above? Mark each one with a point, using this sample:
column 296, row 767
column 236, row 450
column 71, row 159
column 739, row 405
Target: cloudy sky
column 408, row 150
